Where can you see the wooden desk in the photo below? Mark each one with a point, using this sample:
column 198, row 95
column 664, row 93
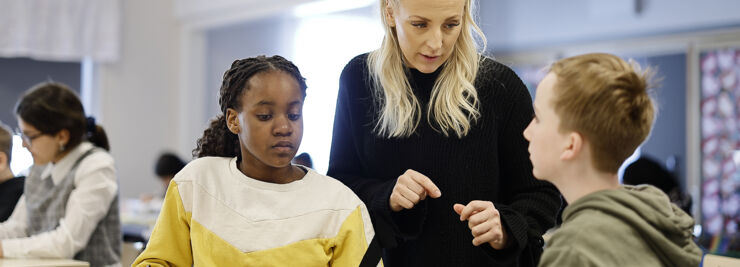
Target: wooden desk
column 716, row 261
column 41, row 263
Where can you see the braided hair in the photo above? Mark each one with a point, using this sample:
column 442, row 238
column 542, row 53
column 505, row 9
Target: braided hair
column 217, row 140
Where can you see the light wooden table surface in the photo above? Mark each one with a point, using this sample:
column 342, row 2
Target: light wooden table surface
column 42, row 263
column 719, row 261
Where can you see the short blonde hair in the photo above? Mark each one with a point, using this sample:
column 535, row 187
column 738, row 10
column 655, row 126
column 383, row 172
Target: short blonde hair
column 606, row 100
column 453, row 104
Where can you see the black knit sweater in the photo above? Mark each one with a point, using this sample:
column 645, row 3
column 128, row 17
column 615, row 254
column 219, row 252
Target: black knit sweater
column 490, row 163
column 10, row 191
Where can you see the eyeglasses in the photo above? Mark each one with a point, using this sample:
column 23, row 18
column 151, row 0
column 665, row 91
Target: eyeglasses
column 27, row 138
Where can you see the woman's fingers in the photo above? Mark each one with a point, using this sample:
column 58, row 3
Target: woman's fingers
column 412, row 187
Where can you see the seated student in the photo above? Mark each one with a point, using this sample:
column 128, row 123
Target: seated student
column 11, row 187
column 646, row 170
column 69, row 207
column 591, row 113
column 242, row 202
column 168, row 164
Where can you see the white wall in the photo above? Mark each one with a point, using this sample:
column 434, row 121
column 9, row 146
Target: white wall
column 524, row 24
column 139, row 93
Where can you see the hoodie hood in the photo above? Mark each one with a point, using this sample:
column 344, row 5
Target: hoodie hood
column 664, row 226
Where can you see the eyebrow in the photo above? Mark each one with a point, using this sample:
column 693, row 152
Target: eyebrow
column 426, row 19
column 270, row 103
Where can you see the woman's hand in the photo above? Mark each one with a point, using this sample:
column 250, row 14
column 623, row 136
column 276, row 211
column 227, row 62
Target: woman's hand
column 484, row 222
column 412, row 187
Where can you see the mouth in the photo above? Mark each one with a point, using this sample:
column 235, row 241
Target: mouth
column 430, row 58
column 283, row 146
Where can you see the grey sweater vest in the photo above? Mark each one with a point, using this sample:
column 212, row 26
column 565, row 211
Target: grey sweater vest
column 46, row 204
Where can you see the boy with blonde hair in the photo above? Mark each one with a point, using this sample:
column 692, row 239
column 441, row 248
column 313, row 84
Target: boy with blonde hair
column 591, row 112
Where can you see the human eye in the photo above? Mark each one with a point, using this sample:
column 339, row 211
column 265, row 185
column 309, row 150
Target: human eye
column 264, row 117
column 452, row 25
column 419, row 25
column 294, row 116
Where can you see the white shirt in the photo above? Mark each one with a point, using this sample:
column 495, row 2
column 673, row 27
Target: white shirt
column 95, row 188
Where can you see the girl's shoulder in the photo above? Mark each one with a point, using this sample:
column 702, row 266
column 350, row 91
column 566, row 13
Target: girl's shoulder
column 333, row 190
column 97, row 157
column 205, row 166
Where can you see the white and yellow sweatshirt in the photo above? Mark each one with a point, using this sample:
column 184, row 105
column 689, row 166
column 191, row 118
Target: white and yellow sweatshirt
column 214, row 215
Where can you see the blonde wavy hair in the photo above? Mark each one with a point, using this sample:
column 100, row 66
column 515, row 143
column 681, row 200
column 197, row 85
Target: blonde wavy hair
column 454, row 100
column 607, row 100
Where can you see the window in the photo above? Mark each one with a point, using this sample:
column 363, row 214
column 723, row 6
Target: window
column 323, row 46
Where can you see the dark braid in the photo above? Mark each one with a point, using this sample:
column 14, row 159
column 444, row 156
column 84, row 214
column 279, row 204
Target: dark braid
column 217, row 140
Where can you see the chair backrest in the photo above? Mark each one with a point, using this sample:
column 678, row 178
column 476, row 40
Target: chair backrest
column 719, row 261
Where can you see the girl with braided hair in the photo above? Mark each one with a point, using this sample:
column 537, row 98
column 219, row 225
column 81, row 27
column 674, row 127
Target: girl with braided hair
column 242, row 202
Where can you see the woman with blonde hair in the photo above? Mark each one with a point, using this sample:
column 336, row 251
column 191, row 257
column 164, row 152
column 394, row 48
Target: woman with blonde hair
column 428, row 133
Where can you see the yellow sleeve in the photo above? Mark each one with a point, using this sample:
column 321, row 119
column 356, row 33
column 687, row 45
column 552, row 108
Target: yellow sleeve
column 353, row 239
column 169, row 244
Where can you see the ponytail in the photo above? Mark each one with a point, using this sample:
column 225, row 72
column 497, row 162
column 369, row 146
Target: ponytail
column 217, row 141
column 96, row 134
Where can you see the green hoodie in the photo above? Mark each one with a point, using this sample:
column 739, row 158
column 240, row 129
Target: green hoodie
column 629, row 226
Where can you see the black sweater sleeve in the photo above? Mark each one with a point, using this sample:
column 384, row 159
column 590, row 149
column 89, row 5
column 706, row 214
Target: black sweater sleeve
column 529, row 205
column 346, row 164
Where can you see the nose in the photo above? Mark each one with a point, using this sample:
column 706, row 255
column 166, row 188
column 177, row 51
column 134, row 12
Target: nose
column 282, row 126
column 526, row 132
column 435, row 40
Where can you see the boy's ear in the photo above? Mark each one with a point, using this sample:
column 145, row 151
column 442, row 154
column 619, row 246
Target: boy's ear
column 574, row 146
column 232, row 120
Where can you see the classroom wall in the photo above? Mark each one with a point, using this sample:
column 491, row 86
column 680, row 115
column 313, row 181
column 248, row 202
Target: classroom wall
column 138, row 94
column 19, row 74
column 526, row 24
column 668, row 137
column 263, row 36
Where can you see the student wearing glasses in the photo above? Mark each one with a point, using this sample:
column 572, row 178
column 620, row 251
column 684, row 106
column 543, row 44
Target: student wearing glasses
column 69, row 207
